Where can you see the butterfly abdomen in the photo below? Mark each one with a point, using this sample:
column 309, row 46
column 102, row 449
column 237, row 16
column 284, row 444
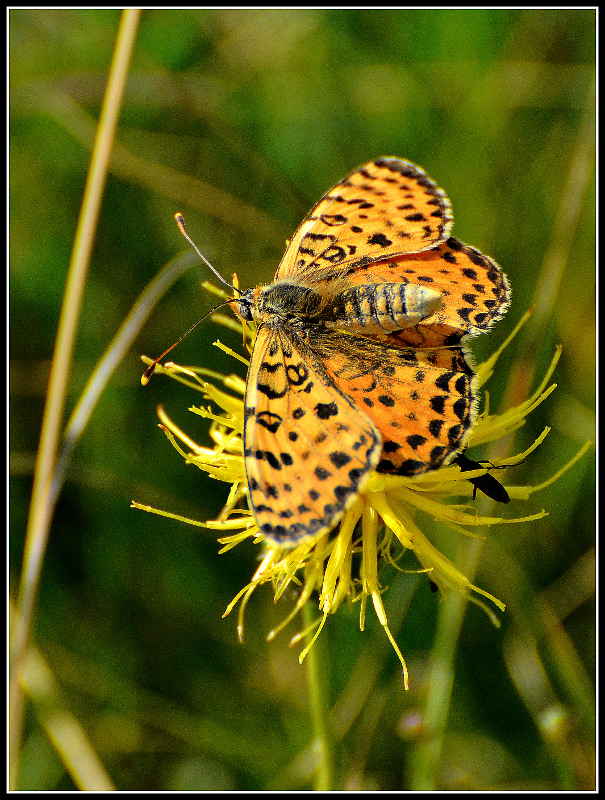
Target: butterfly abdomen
column 385, row 307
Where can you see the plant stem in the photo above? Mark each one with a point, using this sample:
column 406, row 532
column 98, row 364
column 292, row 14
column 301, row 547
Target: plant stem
column 317, row 678
column 40, row 509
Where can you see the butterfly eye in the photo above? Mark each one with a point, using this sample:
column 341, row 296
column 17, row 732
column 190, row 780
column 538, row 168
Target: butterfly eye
column 244, row 309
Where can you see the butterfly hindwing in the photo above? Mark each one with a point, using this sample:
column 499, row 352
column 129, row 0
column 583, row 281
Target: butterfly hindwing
column 307, row 448
column 421, row 400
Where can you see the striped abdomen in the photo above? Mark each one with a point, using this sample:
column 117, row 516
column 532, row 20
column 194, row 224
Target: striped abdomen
column 385, row 307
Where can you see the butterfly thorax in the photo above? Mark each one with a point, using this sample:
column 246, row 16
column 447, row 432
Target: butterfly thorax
column 285, row 300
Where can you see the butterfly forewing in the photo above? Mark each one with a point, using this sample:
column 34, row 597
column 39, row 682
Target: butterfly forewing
column 385, row 208
column 308, row 449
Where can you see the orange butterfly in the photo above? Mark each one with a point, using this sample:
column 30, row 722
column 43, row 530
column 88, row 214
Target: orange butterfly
column 358, row 362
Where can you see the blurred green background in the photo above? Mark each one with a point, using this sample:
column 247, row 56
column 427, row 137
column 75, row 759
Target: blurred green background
column 241, row 119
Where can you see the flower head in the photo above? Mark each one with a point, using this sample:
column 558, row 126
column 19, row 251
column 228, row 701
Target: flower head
column 343, row 564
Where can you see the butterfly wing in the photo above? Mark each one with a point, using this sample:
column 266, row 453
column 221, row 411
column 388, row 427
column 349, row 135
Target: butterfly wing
column 422, row 401
column 307, row 448
column 385, row 208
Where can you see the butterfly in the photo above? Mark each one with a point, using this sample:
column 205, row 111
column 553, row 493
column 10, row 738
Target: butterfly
column 358, row 362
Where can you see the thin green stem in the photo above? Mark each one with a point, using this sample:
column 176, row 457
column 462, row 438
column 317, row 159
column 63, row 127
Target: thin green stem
column 41, row 507
column 426, row 756
column 317, row 678
column 111, row 358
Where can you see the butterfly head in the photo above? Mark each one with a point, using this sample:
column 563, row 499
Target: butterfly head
column 246, row 305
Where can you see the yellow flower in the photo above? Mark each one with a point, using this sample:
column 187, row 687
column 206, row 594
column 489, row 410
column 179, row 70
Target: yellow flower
column 381, row 523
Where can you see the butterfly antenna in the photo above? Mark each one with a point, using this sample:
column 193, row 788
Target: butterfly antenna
column 181, row 223
column 146, row 377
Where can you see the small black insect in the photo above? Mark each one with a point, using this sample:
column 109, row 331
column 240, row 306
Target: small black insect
column 485, row 483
